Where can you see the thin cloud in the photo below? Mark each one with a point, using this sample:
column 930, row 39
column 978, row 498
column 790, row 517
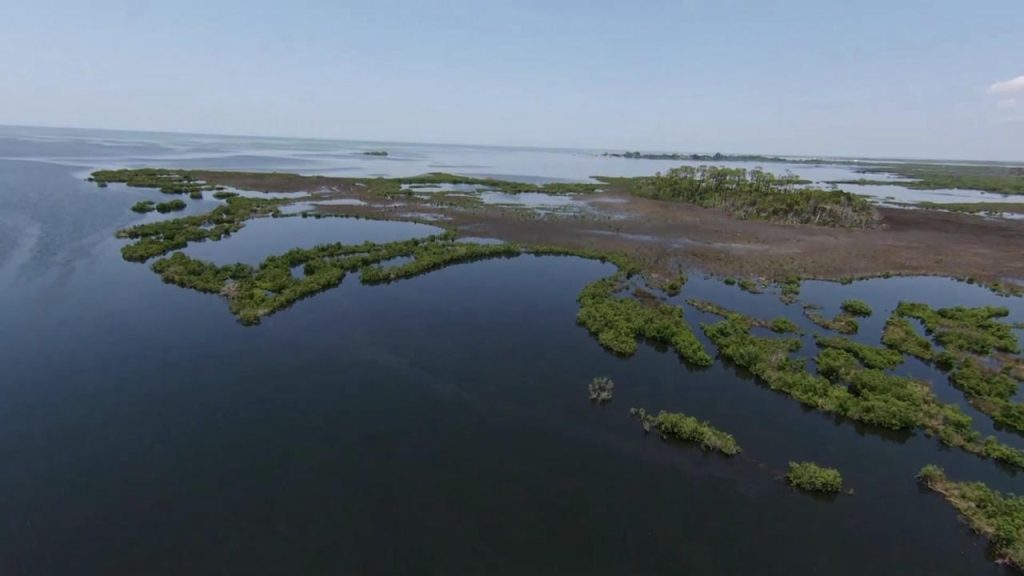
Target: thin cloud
column 1008, row 104
column 1011, row 86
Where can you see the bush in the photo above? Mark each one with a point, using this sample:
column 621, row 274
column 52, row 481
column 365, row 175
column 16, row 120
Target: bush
column 601, row 390
column 678, row 426
column 998, row 517
column 813, row 478
column 856, row 308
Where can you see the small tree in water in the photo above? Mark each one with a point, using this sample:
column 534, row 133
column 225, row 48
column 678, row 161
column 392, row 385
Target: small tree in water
column 601, row 389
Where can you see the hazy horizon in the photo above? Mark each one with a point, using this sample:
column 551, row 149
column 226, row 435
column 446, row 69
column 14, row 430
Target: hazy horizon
column 916, row 81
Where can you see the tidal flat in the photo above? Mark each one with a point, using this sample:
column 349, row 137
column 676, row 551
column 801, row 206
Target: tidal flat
column 256, row 388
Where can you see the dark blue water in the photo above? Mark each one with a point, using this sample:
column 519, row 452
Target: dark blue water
column 437, row 425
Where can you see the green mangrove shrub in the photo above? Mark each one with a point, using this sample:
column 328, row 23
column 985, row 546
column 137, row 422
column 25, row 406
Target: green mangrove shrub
column 679, row 426
column 810, row 477
column 997, row 517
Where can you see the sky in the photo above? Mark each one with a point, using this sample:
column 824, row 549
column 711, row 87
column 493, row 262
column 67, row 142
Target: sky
column 893, row 78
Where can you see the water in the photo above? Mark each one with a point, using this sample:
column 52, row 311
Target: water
column 436, row 425
column 88, row 150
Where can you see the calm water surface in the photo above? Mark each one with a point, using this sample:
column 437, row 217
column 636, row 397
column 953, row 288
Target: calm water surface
column 437, row 425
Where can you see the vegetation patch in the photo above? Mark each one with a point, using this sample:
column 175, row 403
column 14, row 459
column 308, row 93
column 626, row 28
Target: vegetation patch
column 755, row 194
column 856, row 308
column 899, row 335
column 979, row 352
column 869, row 356
column 778, row 325
column 167, row 181
column 172, row 206
column 784, row 326
column 810, row 477
column 997, row 517
column 843, row 387
column 961, row 329
column 617, row 322
column 987, row 177
column 601, row 390
column 159, row 238
column 844, row 322
column 789, row 289
column 143, row 206
column 679, row 426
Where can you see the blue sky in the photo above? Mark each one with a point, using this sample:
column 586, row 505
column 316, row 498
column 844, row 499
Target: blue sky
column 895, row 78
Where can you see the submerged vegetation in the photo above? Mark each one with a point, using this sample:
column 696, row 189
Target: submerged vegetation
column 678, row 426
column 617, row 322
column 997, row 517
column 810, row 477
column 755, row 194
column 601, row 389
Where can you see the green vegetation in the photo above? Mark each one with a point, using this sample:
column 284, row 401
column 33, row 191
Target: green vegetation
column 672, row 285
column 987, row 177
column 810, row 477
column 143, row 206
column 789, row 289
column 196, row 194
column 159, row 238
column 617, row 322
column 172, row 206
column 843, row 387
column 255, row 292
column 869, row 356
column 997, row 517
column 601, row 389
column 856, row 308
column 778, row 325
column 899, row 335
column 224, row 194
column 966, row 330
column 168, row 181
column 843, row 323
column 987, row 208
column 968, row 335
column 784, row 326
column 678, row 426
column 989, row 391
column 755, row 194
column 748, row 285
column 431, row 256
